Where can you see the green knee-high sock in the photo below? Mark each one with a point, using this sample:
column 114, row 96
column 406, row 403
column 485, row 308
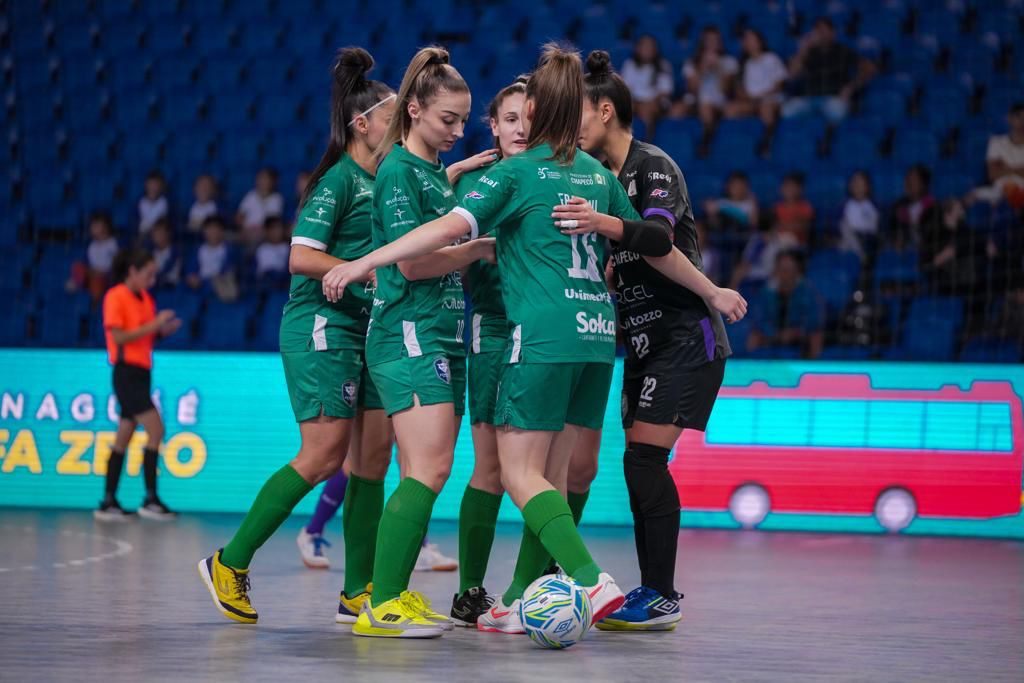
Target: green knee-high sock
column 364, row 505
column 402, row 527
column 530, row 564
column 577, row 501
column 549, row 516
column 478, row 516
column 273, row 504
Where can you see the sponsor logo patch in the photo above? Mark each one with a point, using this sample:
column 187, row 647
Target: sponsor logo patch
column 348, row 393
column 659, row 193
column 474, row 195
column 443, row 370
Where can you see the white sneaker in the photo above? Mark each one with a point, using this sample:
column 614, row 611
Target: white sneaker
column 605, row 597
column 431, row 559
column 311, row 548
column 501, row 618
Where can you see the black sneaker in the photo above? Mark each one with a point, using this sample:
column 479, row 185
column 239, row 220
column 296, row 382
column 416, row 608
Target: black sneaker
column 466, row 608
column 153, row 508
column 111, row 511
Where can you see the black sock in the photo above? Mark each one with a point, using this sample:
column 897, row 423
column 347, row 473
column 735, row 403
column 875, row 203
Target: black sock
column 655, row 500
column 114, row 466
column 150, row 457
column 639, row 530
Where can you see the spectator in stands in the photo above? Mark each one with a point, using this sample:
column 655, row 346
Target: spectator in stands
column 93, row 274
column 794, row 215
column 710, row 76
column 763, row 75
column 916, row 208
column 757, row 263
column 272, row 255
column 737, row 210
column 205, row 205
column 213, row 265
column 260, row 203
column 153, row 205
column 301, row 180
column 649, row 77
column 944, row 254
column 1005, row 163
column 790, row 313
column 1009, row 322
column 166, row 256
column 826, row 74
column 711, row 257
column 858, row 223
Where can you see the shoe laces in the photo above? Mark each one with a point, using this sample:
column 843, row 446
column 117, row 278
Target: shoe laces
column 242, row 586
column 415, row 602
column 479, row 599
column 319, row 543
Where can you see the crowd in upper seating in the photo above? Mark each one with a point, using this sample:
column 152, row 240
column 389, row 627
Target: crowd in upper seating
column 858, row 175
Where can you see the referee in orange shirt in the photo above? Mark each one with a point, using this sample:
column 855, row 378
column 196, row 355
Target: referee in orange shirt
column 131, row 326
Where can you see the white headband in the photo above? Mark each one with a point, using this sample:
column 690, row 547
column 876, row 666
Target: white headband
column 385, row 100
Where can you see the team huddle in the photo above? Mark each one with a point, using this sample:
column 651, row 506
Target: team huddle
column 550, row 247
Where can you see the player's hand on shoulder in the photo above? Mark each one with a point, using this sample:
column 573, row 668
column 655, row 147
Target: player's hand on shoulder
column 729, row 303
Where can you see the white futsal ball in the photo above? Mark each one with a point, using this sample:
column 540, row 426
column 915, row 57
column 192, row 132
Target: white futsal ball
column 555, row 611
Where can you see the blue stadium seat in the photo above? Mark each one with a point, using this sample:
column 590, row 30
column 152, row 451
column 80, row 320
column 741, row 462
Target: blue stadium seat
column 888, row 106
column 175, row 71
column 898, row 267
column 182, row 108
column 223, row 326
column 853, row 150
column 982, row 350
column 835, row 290
column 915, row 145
column 736, row 141
column 847, row 353
column 268, row 322
column 123, row 37
column 669, row 131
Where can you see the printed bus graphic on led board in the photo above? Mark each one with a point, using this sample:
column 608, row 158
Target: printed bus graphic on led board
column 835, row 445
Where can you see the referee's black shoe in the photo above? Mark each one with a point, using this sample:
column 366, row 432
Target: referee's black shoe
column 111, row 511
column 153, row 508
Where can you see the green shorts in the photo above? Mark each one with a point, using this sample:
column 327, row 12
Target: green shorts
column 547, row 396
column 369, row 397
column 484, row 374
column 323, row 382
column 433, row 378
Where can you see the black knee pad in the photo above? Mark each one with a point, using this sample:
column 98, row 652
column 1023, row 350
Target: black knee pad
column 652, row 491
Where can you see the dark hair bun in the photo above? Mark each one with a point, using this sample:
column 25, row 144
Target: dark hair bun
column 599, row 63
column 353, row 59
column 438, row 55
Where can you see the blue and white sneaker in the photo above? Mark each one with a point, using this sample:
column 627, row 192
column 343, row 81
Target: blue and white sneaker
column 311, row 549
column 645, row 609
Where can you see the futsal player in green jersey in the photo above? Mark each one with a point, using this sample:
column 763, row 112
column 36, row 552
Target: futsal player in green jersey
column 322, row 342
column 415, row 340
column 478, row 513
column 561, row 347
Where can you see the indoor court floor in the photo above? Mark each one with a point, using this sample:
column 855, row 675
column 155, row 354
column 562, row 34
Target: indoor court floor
column 81, row 601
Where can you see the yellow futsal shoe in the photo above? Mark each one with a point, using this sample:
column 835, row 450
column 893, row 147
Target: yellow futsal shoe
column 229, row 588
column 350, row 606
column 427, row 611
column 399, row 617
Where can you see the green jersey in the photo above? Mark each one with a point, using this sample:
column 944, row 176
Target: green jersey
column 412, row 317
column 488, row 326
column 335, row 220
column 553, row 285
